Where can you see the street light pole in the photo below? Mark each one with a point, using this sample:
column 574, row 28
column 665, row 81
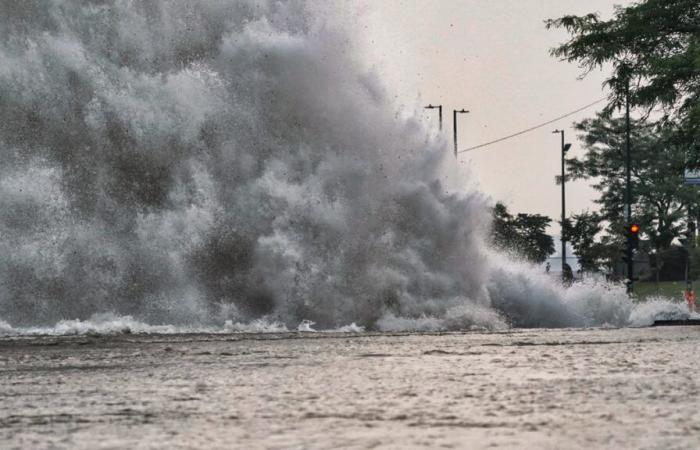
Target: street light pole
column 454, row 124
column 564, row 148
column 439, row 108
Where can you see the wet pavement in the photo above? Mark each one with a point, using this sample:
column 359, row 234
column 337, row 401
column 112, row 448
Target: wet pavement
column 600, row 388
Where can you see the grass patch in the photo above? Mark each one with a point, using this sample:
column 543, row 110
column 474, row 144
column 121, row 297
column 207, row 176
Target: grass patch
column 670, row 289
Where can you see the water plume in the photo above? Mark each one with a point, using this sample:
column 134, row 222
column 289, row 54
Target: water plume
column 196, row 163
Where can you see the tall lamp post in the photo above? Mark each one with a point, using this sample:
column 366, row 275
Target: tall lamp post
column 439, row 108
column 564, row 148
column 454, row 124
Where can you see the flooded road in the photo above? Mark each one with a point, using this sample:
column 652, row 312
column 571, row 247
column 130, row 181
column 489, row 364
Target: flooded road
column 601, row 388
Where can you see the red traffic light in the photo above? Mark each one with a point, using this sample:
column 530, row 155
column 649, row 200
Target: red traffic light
column 634, row 228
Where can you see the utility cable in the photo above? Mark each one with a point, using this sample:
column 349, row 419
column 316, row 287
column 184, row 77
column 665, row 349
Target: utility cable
column 533, row 128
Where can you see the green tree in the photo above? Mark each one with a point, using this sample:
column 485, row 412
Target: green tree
column 660, row 199
column 523, row 233
column 655, row 46
column 593, row 250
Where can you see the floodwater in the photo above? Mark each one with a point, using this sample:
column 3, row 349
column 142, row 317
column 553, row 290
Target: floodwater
column 594, row 388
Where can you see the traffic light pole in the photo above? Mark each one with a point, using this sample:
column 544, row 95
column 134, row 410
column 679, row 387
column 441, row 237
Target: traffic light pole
column 628, row 191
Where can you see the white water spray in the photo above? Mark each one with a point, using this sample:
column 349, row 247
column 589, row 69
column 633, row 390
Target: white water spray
column 190, row 164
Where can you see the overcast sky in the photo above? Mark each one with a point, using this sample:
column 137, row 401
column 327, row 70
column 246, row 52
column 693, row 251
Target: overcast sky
column 492, row 58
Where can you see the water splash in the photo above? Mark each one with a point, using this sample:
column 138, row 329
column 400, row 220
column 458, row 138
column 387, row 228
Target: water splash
column 198, row 163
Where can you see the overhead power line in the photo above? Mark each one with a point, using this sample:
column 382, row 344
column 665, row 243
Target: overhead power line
column 533, row 128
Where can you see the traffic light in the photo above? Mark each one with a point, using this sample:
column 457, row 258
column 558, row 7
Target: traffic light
column 633, row 235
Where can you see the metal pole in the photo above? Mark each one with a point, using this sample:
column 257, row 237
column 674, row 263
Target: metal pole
column 628, row 189
column 690, row 244
column 454, row 125
column 439, row 108
column 563, row 201
column 564, row 148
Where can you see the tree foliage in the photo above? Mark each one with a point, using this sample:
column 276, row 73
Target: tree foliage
column 653, row 50
column 595, row 251
column 524, row 234
column 655, row 46
column 661, row 200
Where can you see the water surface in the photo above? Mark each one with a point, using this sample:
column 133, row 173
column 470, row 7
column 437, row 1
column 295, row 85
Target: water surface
column 568, row 388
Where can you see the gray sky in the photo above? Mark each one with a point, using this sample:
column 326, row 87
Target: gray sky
column 492, row 57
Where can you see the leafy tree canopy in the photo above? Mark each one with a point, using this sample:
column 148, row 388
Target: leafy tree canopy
column 655, row 44
column 660, row 200
column 594, row 252
column 523, row 233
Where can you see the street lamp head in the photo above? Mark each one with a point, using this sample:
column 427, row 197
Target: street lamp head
column 462, row 111
column 557, row 131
